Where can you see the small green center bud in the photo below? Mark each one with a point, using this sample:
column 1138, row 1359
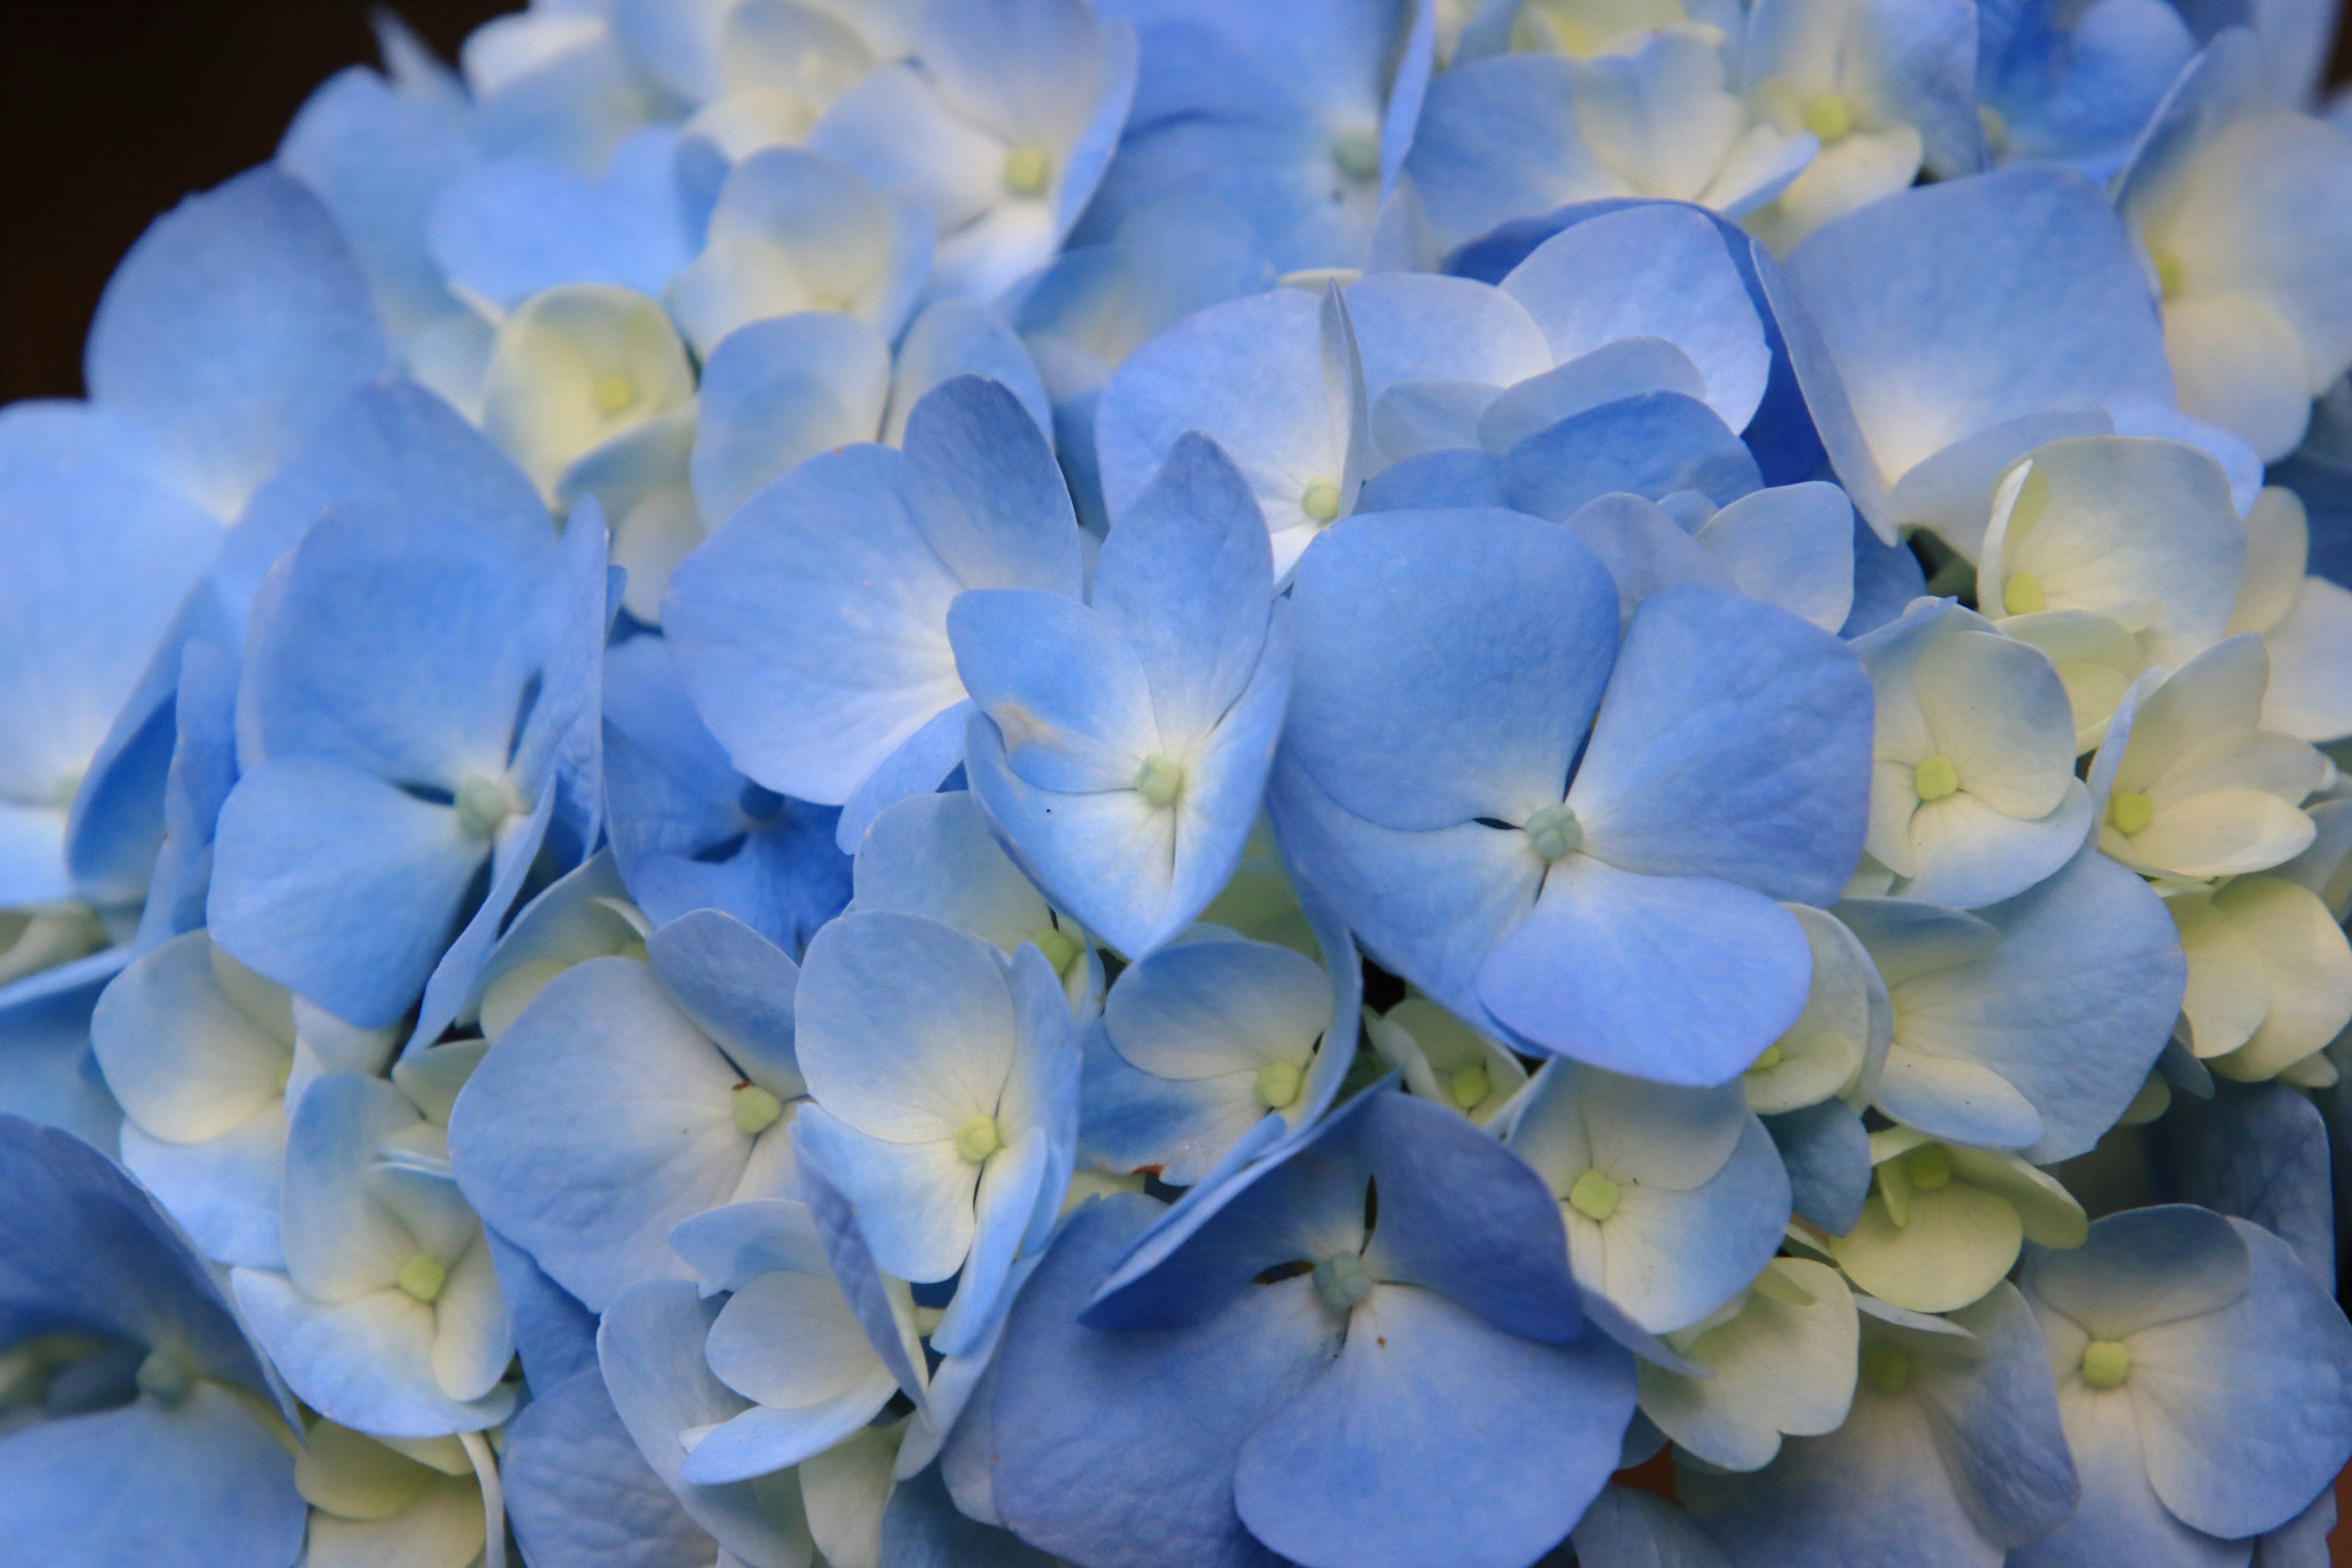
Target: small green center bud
column 756, row 1110
column 2128, row 811
column 2106, row 1363
column 483, row 805
column 1341, row 1281
column 2022, row 595
column 1996, row 127
column 977, row 1138
column 1553, row 831
column 1771, row 1058
column 423, row 1277
column 1320, row 500
column 1357, row 153
column 1829, row 117
column 1470, row 1085
column 1060, row 948
column 1885, row 1369
column 1160, row 780
column 1277, row 1085
column 1929, row 1166
column 613, row 393
column 2170, row 277
column 1025, row 169
column 1594, row 1196
column 1935, row 778
column 166, row 1374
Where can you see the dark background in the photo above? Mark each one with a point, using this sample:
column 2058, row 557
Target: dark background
column 111, row 110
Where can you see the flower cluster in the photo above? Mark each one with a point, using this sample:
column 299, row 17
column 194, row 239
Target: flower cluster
column 1180, row 784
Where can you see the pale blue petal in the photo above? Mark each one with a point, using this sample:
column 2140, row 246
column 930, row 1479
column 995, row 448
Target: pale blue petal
column 1826, row 1154
column 1630, row 1529
column 2245, row 1412
column 506, row 230
column 960, row 337
column 1387, row 1459
column 235, row 323
column 555, row 1335
column 1653, row 444
column 738, row 986
column 1680, row 979
column 339, row 886
column 1065, row 690
column 196, row 1485
column 2256, row 1152
column 1379, row 609
column 914, row 1200
column 650, row 1347
column 1751, row 765
column 578, row 1492
column 1185, row 581
column 1080, row 1459
column 602, row 1118
column 923, row 1528
column 778, row 391
column 1944, row 310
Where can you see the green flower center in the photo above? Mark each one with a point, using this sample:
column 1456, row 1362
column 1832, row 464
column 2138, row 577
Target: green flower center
column 2128, row 811
column 2022, row 595
column 1935, row 778
column 1025, row 171
column 2106, row 1363
column 423, row 1277
column 1341, row 1281
column 977, row 1138
column 1160, row 780
column 1320, row 500
column 1929, row 1167
column 1830, row 116
column 1470, row 1085
column 1885, row 1369
column 1594, row 1196
column 1553, row 831
column 756, row 1110
column 1277, row 1085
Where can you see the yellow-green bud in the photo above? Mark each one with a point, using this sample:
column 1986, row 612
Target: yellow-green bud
column 2128, row 811
column 2022, row 595
column 1160, row 780
column 613, row 393
column 166, row 1375
column 1594, row 1196
column 1772, row 1057
column 1553, row 831
column 1470, row 1085
column 1320, row 500
column 1929, row 1166
column 1277, row 1085
column 423, row 1277
column 1935, row 778
column 756, row 1110
column 1885, row 1369
column 1830, row 116
column 2169, row 275
column 1060, row 948
column 1357, row 153
column 1341, row 1281
column 1025, row 169
column 977, row 1138
column 2106, row 1363
column 483, row 805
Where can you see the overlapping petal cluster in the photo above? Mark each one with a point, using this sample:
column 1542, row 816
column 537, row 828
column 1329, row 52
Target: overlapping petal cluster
column 1186, row 784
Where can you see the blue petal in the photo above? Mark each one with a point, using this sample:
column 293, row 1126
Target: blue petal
column 2256, row 1152
column 578, row 1492
column 1734, row 742
column 555, row 1335
column 1081, row 1460
column 650, row 1347
column 1942, row 312
column 506, row 230
column 1680, row 979
column 194, row 1485
column 1652, row 445
column 1380, row 609
column 339, row 886
column 1433, row 1436
column 602, row 1117
column 778, row 391
column 922, row 1528
column 739, row 987
column 1827, row 1154
column 1630, row 1529
column 237, row 321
